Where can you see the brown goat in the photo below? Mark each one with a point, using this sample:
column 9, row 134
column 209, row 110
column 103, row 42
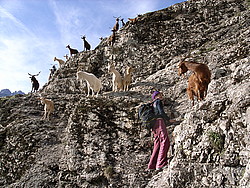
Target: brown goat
column 72, row 51
column 134, row 20
column 112, row 38
column 116, row 26
column 196, row 88
column 202, row 73
column 201, row 70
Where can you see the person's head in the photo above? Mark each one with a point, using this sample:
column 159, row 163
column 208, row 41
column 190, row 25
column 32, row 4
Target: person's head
column 157, row 95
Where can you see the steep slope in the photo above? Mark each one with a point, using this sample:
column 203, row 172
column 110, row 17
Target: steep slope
column 98, row 142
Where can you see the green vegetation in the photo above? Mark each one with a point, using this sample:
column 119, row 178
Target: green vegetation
column 108, row 171
column 8, row 97
column 248, row 3
column 3, row 100
column 216, row 140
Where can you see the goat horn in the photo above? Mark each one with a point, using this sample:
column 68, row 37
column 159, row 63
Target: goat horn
column 37, row 74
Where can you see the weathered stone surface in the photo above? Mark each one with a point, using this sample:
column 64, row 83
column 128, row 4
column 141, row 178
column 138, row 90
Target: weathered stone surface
column 98, row 142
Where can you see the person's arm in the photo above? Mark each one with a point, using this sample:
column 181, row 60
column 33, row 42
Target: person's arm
column 160, row 109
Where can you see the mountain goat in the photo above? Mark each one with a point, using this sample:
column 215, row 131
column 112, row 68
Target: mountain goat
column 116, row 26
column 196, row 88
column 86, row 45
column 71, row 50
column 60, row 61
column 93, row 82
column 202, row 73
column 127, row 78
column 117, row 79
column 112, row 38
column 48, row 107
column 35, row 83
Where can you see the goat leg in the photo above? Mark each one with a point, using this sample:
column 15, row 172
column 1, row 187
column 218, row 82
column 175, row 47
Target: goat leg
column 44, row 116
column 48, row 115
column 113, row 86
column 88, row 89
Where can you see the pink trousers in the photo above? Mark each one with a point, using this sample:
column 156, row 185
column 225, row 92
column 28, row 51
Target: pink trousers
column 158, row 158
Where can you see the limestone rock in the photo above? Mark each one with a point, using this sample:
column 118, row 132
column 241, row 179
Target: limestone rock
column 99, row 142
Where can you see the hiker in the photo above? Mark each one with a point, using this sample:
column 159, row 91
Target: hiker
column 158, row 158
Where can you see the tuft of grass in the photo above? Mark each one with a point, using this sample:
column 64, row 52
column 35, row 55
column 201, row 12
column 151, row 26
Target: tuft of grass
column 108, row 172
column 248, row 3
column 217, row 140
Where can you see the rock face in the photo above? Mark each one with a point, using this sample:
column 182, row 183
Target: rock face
column 99, row 142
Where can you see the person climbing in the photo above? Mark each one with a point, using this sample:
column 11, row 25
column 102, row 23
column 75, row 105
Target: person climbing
column 158, row 159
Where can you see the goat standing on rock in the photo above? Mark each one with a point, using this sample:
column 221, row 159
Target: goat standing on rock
column 48, row 107
column 117, row 79
column 134, row 20
column 93, row 82
column 72, row 51
column 112, row 38
column 86, row 45
column 195, row 88
column 198, row 81
column 116, row 26
column 60, row 61
column 127, row 78
column 35, row 83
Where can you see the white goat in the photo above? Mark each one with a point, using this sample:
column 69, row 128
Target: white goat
column 48, row 107
column 127, row 78
column 117, row 79
column 60, row 61
column 93, row 82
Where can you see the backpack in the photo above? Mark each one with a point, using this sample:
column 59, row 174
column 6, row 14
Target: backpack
column 147, row 116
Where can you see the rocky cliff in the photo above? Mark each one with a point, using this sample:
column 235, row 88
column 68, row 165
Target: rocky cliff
column 98, row 141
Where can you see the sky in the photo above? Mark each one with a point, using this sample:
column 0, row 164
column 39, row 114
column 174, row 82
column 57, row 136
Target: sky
column 33, row 32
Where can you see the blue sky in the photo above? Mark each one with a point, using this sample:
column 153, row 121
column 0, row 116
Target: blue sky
column 33, row 32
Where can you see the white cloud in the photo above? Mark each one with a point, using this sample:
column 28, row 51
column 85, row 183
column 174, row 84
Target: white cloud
column 6, row 15
column 13, row 63
column 21, row 52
